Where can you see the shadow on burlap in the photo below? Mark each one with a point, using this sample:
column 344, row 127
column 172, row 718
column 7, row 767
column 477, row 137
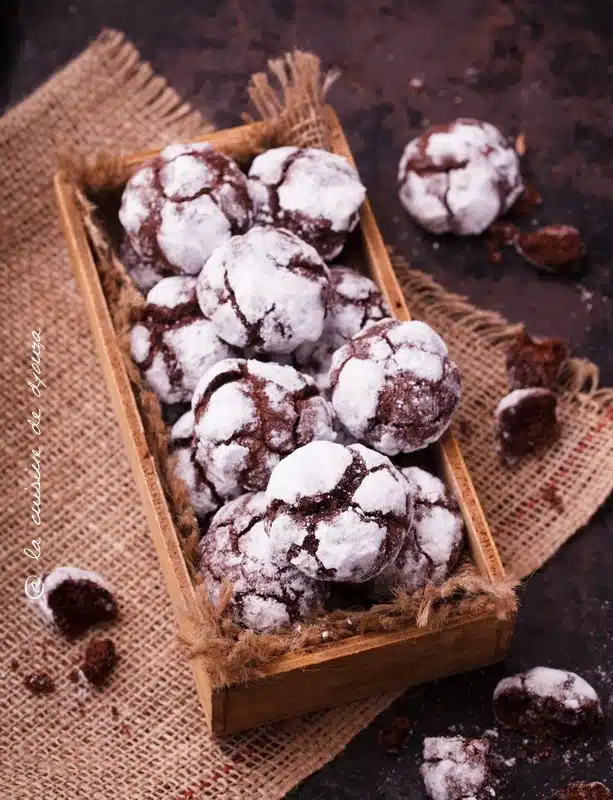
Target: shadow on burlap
column 145, row 737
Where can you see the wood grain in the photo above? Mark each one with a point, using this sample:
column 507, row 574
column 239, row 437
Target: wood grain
column 339, row 671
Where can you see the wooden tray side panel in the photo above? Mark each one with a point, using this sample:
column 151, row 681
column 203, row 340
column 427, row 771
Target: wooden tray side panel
column 393, row 662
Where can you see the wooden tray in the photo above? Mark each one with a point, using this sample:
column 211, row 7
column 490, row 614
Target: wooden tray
column 337, row 672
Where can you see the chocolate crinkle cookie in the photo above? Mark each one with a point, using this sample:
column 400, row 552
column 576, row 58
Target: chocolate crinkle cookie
column 75, row 600
column 202, row 494
column 268, row 593
column 534, row 363
column 432, row 553
column 527, row 422
column 550, row 703
column 178, row 207
column 338, row 513
column 458, row 177
column 266, row 291
column 311, row 192
column 249, row 415
column 456, row 768
column 355, row 302
column 580, row 790
column 394, row 386
column 173, row 344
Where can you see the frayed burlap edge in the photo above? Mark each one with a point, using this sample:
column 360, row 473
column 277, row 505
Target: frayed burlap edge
column 233, row 654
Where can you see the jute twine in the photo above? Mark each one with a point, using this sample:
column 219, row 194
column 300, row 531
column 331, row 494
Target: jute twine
column 145, row 735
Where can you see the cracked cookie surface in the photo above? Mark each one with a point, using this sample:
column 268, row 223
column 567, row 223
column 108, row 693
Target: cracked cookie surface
column 202, row 493
column 178, row 207
column 266, row 291
column 432, row 553
column 408, row 386
column 338, row 513
column 268, row 593
column 314, row 193
column 173, row 344
column 355, row 302
column 458, row 177
column 456, row 768
column 249, row 415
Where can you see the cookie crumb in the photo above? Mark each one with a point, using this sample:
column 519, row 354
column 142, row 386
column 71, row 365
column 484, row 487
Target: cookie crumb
column 528, row 200
column 39, row 683
column 100, row 661
column 550, row 495
column 553, row 248
column 580, row 790
column 520, row 144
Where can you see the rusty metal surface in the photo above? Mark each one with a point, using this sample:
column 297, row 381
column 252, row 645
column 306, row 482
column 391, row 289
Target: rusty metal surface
column 542, row 69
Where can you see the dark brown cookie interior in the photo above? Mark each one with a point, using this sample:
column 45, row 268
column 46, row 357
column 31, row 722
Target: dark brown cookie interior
column 77, row 605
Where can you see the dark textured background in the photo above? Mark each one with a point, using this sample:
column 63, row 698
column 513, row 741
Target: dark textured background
column 540, row 68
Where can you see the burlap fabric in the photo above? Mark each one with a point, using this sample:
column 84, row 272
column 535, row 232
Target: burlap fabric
column 144, row 737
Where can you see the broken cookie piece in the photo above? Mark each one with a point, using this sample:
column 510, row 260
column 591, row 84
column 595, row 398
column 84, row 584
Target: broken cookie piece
column 456, row 768
column 99, row 661
column 533, row 363
column 549, row 703
column 580, row 790
column 554, row 248
column 75, row 599
column 39, row 683
column 526, row 421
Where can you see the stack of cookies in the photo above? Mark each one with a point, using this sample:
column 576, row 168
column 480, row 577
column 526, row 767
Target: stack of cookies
column 290, row 387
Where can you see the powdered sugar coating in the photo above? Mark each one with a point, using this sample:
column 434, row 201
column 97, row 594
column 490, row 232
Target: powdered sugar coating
column 567, row 688
column 515, row 397
column 178, row 207
column 455, row 768
column 268, row 592
column 408, row 386
column 56, row 577
column 355, row 302
column 249, row 415
column 174, row 344
column 459, row 177
column 550, row 703
column 433, row 552
column 314, row 193
column 338, row 513
column 266, row 291
column 145, row 273
column 200, row 488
